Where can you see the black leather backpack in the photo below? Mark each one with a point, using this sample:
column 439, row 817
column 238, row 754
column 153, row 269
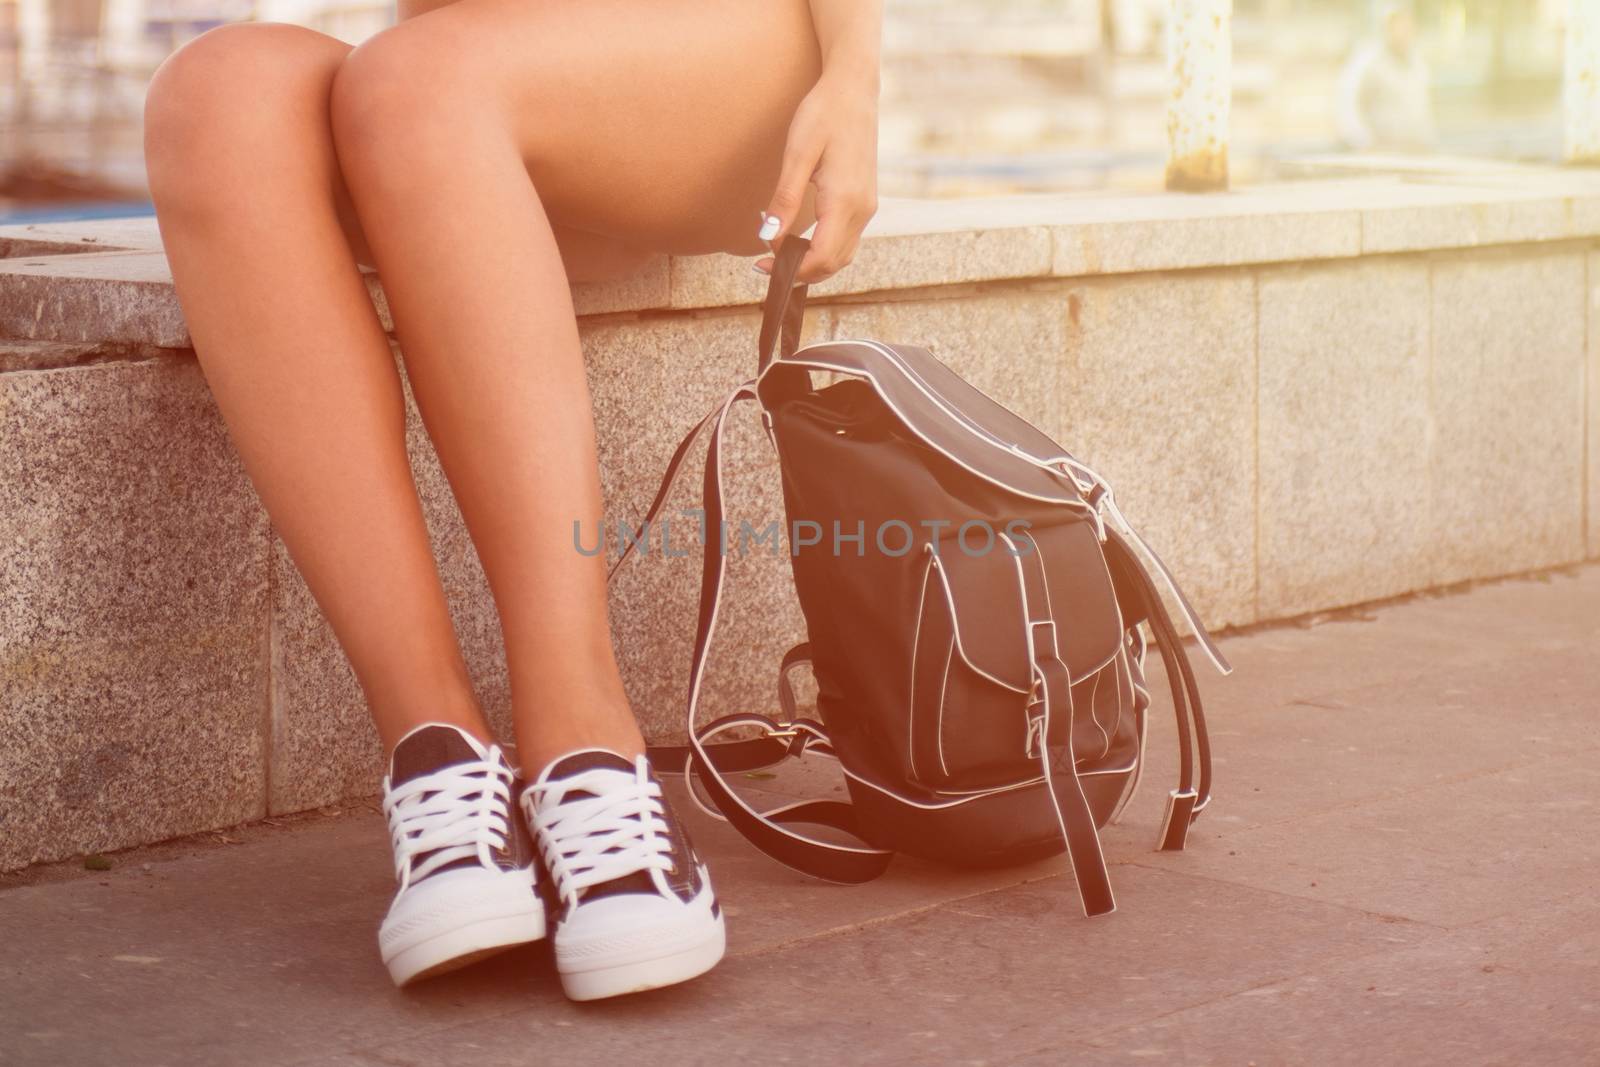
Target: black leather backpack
column 975, row 603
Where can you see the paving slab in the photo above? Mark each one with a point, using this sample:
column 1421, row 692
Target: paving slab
column 968, row 983
column 1399, row 866
column 1521, row 989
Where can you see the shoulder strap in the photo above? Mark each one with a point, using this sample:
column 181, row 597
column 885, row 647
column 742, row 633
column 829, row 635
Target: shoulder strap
column 1184, row 803
column 782, row 313
column 784, row 309
column 771, row 832
column 668, row 480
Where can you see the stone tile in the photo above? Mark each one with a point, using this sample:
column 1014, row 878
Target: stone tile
column 1316, row 721
column 98, row 296
column 47, row 355
column 1445, row 1000
column 1282, row 759
column 245, row 958
column 648, row 288
column 1314, row 664
column 324, row 745
column 259, row 953
column 885, row 260
column 1459, row 851
column 1343, row 432
column 133, row 626
column 1593, row 389
column 1436, row 215
column 1507, row 395
column 1158, row 395
column 127, row 297
column 981, row 981
column 1225, row 238
column 1584, row 207
column 138, row 232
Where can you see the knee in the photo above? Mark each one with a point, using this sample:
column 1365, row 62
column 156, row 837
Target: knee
column 402, row 98
column 227, row 100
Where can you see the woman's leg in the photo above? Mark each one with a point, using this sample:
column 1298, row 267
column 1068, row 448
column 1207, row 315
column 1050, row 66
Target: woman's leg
column 659, row 123
column 248, row 196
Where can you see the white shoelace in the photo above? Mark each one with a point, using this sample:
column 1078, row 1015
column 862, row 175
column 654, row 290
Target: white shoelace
column 457, row 812
column 618, row 830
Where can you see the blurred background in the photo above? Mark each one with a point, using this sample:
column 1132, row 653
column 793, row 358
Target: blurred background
column 979, row 96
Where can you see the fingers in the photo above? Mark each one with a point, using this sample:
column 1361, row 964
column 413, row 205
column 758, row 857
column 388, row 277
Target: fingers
column 833, row 246
column 789, row 197
column 845, row 203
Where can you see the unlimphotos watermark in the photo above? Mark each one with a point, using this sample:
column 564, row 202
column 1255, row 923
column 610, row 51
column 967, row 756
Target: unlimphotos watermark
column 889, row 537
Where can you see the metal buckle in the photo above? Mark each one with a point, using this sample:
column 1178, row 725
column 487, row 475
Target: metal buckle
column 1033, row 627
column 799, row 737
column 1036, row 738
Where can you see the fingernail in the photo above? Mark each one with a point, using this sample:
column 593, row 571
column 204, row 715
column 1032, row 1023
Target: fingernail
column 759, row 269
column 770, row 227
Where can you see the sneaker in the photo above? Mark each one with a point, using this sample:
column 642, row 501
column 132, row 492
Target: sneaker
column 636, row 910
column 464, row 863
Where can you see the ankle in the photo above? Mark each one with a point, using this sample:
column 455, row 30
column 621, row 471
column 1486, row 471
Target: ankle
column 395, row 723
column 548, row 741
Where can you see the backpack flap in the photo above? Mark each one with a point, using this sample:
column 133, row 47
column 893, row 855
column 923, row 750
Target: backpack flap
column 950, row 416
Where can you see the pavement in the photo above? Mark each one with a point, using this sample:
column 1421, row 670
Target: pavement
column 1401, row 865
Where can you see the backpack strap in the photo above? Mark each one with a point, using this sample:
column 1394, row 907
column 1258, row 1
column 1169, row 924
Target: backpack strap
column 1184, row 803
column 1051, row 701
column 668, row 480
column 782, row 313
column 771, row 832
column 795, row 657
column 785, row 306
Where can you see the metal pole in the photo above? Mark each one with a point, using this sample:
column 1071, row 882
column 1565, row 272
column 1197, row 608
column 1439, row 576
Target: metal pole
column 1583, row 81
column 1200, row 92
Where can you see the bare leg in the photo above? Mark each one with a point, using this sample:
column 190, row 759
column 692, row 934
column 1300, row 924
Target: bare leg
column 248, row 202
column 658, row 123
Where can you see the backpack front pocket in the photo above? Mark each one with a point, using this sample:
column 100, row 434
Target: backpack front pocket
column 970, row 677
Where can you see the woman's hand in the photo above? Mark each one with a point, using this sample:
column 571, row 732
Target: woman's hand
column 833, row 143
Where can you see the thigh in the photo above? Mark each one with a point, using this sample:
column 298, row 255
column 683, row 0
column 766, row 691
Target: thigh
column 651, row 124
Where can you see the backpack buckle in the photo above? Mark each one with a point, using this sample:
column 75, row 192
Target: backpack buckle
column 797, row 735
column 1180, row 813
column 1035, row 743
column 1034, row 626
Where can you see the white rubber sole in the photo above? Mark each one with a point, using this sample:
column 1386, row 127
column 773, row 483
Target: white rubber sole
column 459, row 922
column 468, row 944
column 677, row 963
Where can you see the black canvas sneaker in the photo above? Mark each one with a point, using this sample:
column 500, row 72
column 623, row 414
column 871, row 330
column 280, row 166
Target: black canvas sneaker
column 462, row 858
column 636, row 910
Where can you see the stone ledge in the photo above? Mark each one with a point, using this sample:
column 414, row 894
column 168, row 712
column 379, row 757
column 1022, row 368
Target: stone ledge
column 1291, row 420
column 50, row 289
